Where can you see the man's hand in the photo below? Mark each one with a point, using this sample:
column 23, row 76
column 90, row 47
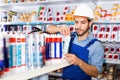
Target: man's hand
column 72, row 59
column 88, row 69
column 64, row 30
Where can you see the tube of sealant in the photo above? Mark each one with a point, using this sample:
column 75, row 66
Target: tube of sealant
column 42, row 48
column 5, row 49
column 1, row 56
column 66, row 42
column 12, row 50
column 52, row 45
column 38, row 51
column 31, row 45
column 47, row 49
column 34, row 50
column 18, row 52
column 23, row 54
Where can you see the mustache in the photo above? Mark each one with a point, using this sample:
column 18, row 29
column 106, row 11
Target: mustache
column 78, row 29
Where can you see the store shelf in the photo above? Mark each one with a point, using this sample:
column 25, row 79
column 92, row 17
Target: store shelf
column 36, row 23
column 6, row 23
column 35, row 3
column 107, row 21
column 59, row 22
column 36, row 72
column 112, row 61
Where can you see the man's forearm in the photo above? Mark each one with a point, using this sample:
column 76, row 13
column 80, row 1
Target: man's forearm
column 52, row 29
column 88, row 69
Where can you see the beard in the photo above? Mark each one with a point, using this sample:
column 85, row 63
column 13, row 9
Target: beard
column 84, row 31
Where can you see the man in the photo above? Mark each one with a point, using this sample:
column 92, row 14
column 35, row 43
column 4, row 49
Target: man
column 85, row 52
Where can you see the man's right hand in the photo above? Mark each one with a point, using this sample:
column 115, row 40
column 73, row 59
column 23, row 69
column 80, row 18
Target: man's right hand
column 62, row 29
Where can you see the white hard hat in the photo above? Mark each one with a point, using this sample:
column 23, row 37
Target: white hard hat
column 84, row 10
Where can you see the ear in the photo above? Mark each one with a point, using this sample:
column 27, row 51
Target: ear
column 90, row 23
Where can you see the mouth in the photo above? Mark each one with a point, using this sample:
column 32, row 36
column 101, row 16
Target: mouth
column 78, row 30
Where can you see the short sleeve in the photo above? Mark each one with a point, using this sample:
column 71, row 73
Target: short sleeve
column 97, row 57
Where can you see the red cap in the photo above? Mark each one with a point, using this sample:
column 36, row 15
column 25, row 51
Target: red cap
column 12, row 40
column 60, row 39
column 23, row 39
column 51, row 39
column 56, row 39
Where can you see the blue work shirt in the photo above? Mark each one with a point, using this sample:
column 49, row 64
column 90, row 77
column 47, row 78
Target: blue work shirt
column 96, row 51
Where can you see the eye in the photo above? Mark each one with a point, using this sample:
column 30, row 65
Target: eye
column 83, row 22
column 76, row 22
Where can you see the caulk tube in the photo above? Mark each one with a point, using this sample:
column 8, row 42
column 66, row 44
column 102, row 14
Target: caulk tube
column 60, row 46
column 52, row 50
column 34, row 47
column 1, row 56
column 42, row 48
column 5, row 49
column 11, row 44
column 30, row 51
column 66, row 42
column 38, row 51
column 12, row 50
column 18, row 52
column 28, row 47
column 27, row 51
column 55, row 46
column 26, row 33
column 23, row 54
column 57, row 49
column 47, row 50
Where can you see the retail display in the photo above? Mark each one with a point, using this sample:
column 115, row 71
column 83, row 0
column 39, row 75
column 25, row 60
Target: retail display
column 40, row 51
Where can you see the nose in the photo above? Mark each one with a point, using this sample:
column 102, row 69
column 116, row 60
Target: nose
column 77, row 25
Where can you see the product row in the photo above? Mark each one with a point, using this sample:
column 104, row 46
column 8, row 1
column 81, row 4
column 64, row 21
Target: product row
column 43, row 13
column 107, row 32
column 113, row 13
column 27, row 49
column 50, row 13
